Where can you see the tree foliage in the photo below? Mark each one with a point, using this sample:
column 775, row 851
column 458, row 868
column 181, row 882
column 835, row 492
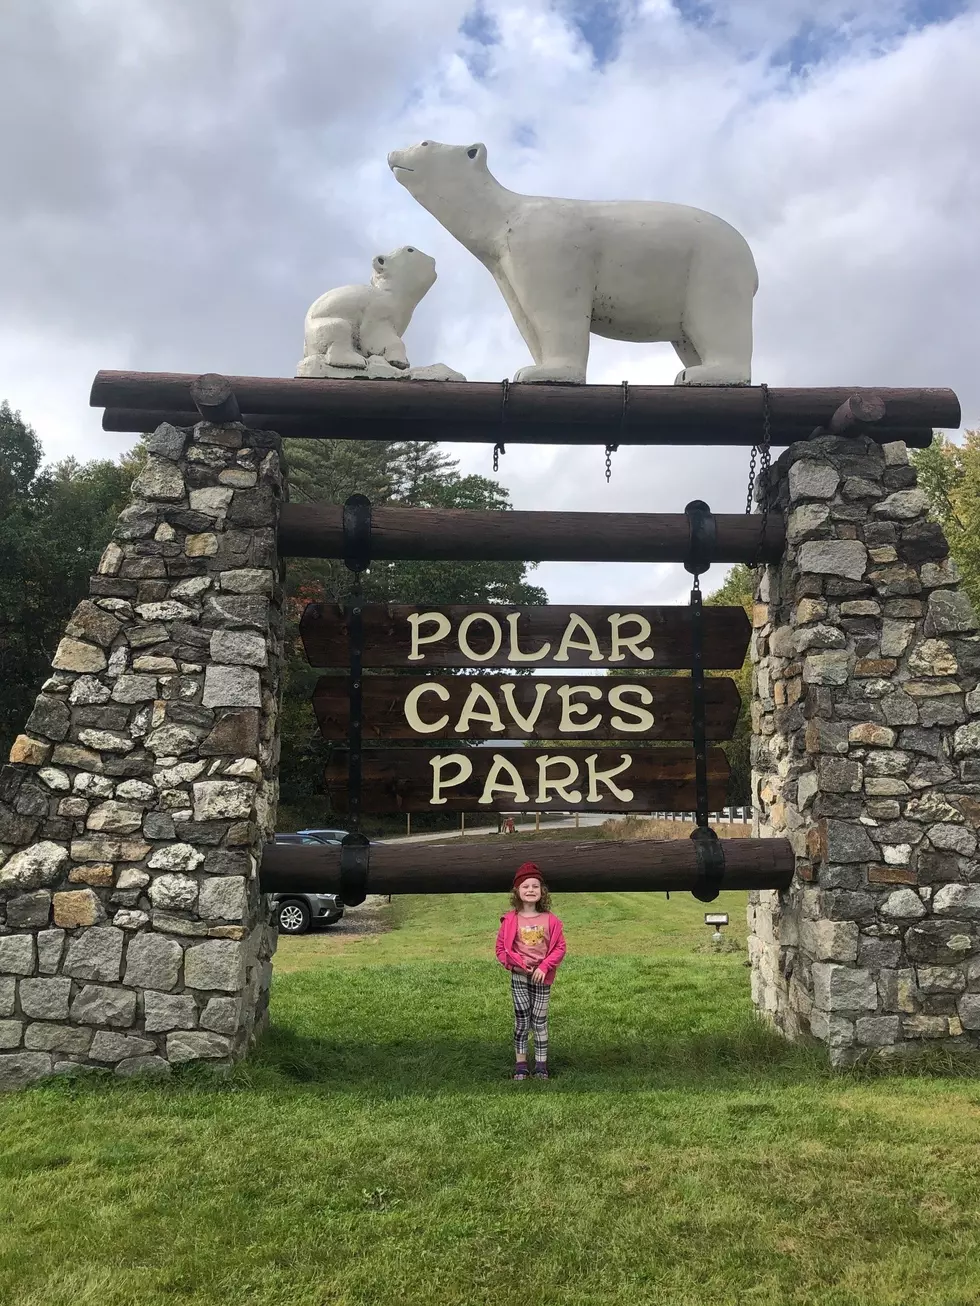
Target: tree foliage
column 54, row 523
column 419, row 474
column 950, row 475
column 738, row 590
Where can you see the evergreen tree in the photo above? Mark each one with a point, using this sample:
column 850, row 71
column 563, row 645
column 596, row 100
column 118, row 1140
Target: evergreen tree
column 415, row 473
column 738, row 590
column 950, row 475
column 54, row 524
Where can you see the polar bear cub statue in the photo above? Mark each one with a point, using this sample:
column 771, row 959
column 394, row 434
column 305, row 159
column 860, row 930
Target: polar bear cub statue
column 349, row 325
column 628, row 270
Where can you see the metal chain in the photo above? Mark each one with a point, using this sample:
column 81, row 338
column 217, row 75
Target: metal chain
column 614, row 448
column 762, row 451
column 764, row 461
column 748, row 492
column 500, row 447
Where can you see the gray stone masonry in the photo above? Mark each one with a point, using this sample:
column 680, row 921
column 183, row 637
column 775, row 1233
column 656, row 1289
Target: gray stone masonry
column 136, row 802
column 866, row 757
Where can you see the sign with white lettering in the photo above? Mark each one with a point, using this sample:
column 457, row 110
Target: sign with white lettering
column 525, row 707
column 398, row 635
column 516, row 779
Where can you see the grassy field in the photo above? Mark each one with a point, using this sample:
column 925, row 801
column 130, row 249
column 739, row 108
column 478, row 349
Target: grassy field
column 374, row 1150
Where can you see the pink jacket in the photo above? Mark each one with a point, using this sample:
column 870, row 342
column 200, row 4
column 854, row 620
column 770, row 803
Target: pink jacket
column 509, row 957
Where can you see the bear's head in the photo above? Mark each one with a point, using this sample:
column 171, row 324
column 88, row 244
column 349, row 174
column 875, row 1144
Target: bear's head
column 407, row 271
column 431, row 171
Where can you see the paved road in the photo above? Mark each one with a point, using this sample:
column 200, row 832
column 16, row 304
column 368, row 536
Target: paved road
column 587, row 818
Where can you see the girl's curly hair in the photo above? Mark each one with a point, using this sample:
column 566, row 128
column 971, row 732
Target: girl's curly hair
column 544, row 904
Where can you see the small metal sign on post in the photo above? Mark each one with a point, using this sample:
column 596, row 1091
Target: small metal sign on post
column 717, row 919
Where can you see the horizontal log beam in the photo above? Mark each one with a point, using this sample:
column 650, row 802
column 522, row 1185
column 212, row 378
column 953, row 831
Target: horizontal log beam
column 309, row 530
column 606, row 866
column 292, row 427
column 562, row 414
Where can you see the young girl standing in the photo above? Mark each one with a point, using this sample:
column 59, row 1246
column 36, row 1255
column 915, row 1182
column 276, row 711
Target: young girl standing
column 530, row 944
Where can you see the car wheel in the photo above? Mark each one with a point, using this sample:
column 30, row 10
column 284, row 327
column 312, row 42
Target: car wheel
column 294, row 916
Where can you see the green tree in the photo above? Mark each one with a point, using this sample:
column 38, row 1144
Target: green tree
column 950, row 475
column 738, row 590
column 418, row 474
column 54, row 524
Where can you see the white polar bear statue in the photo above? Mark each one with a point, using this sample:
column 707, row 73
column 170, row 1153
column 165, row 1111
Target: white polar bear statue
column 349, row 325
column 628, row 270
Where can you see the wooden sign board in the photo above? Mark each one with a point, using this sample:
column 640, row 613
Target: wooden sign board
column 527, row 779
column 525, row 707
column 398, row 635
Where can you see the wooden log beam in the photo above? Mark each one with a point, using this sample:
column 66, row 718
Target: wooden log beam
column 860, row 414
column 308, row 530
column 468, row 866
column 561, row 414
column 292, row 427
column 214, row 398
column 857, row 413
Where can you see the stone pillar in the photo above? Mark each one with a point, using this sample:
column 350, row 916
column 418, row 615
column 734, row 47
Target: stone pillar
column 866, row 755
column 137, row 800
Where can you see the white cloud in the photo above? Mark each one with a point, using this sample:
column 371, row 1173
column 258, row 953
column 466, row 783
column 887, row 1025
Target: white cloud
column 177, row 192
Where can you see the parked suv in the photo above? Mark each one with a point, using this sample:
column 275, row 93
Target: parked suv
column 299, row 912
column 324, row 836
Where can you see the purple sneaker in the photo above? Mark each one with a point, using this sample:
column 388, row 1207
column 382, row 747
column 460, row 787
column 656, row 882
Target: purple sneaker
column 521, row 1072
column 541, row 1072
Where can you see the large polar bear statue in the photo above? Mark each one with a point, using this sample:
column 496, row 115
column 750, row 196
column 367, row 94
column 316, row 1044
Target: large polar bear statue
column 628, row 270
column 348, row 326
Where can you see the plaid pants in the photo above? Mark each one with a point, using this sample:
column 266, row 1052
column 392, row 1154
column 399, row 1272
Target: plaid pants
column 530, row 1015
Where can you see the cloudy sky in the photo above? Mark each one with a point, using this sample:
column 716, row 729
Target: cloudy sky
column 179, row 179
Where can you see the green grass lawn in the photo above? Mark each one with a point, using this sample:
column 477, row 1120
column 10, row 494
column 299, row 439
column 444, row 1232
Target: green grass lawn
column 375, row 1151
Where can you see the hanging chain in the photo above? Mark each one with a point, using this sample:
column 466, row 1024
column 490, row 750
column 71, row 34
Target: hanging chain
column 762, row 451
column 613, row 448
column 500, row 447
column 748, row 492
column 764, row 460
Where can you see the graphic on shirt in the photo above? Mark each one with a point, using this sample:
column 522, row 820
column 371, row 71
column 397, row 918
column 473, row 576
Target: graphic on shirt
column 532, row 936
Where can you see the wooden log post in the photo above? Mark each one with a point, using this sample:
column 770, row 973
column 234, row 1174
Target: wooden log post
column 214, row 398
column 612, row 866
column 858, row 414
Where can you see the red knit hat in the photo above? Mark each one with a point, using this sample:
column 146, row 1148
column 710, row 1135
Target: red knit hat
column 527, row 871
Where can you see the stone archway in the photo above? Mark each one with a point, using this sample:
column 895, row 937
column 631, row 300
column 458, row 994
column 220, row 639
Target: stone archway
column 136, row 803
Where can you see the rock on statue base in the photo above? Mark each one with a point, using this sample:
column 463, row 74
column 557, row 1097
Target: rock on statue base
column 377, row 369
